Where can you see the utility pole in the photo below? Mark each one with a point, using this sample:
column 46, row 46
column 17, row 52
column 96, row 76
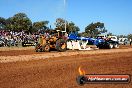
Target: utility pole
column 65, row 14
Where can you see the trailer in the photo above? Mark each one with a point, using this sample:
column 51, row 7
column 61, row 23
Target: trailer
column 80, row 43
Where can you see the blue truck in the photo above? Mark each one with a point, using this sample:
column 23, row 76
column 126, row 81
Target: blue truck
column 100, row 42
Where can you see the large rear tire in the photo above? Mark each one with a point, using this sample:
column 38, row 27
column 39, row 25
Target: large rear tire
column 61, row 45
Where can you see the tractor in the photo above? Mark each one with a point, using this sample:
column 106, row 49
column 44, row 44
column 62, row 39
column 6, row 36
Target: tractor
column 55, row 40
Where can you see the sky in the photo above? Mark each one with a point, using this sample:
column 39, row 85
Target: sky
column 115, row 14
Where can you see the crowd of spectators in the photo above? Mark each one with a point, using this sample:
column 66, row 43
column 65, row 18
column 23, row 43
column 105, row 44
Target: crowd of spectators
column 11, row 38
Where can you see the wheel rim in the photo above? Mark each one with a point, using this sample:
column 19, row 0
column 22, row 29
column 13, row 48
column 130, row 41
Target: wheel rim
column 46, row 47
column 63, row 45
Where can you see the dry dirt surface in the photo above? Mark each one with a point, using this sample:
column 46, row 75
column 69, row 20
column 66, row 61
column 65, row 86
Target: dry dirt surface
column 60, row 69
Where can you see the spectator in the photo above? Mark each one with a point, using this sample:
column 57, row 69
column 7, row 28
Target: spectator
column 46, row 34
column 17, row 37
column 130, row 42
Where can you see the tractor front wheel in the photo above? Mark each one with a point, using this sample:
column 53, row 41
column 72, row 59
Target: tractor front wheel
column 38, row 48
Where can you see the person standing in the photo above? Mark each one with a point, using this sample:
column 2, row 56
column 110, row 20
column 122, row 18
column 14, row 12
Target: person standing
column 130, row 42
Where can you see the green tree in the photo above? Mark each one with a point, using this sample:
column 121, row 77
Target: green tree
column 84, row 34
column 2, row 23
column 129, row 36
column 19, row 22
column 109, row 34
column 70, row 26
column 10, row 24
column 94, row 29
column 60, row 24
column 42, row 25
column 121, row 36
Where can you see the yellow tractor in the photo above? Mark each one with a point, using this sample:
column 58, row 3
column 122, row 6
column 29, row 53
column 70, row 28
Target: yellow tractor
column 55, row 41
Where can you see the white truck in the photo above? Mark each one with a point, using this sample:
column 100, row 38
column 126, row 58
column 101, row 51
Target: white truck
column 123, row 41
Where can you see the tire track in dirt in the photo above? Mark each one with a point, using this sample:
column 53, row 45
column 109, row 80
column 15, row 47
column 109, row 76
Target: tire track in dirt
column 5, row 59
column 61, row 72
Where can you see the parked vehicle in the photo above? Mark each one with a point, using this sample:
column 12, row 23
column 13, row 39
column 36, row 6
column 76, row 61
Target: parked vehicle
column 123, row 41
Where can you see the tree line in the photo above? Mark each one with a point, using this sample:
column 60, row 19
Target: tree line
column 21, row 22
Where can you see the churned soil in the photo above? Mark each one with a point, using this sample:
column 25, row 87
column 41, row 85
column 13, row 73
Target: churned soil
column 24, row 68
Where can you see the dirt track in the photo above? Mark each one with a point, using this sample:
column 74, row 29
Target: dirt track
column 61, row 72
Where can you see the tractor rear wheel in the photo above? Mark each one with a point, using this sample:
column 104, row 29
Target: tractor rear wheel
column 61, row 45
column 46, row 48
